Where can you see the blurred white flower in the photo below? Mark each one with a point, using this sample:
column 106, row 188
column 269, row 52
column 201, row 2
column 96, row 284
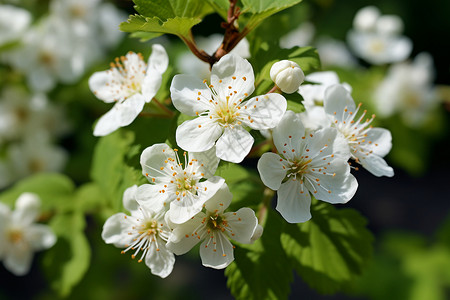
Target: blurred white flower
column 130, row 83
column 301, row 36
column 314, row 93
column 287, row 75
column 222, row 111
column 377, row 38
column 368, row 145
column 408, row 90
column 186, row 184
column 20, row 236
column 22, row 114
column 144, row 230
column 215, row 227
column 333, row 52
column 13, row 23
column 45, row 56
column 307, row 162
column 32, row 155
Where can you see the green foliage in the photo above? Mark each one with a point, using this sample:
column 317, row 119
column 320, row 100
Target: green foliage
column 54, row 190
column 165, row 16
column 329, row 250
column 66, row 263
column 110, row 169
column 407, row 267
column 262, row 9
column 245, row 185
column 261, row 270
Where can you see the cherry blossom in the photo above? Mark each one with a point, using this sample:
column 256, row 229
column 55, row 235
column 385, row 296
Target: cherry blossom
column 130, row 83
column 143, row 231
column 222, row 111
column 306, row 163
column 215, row 227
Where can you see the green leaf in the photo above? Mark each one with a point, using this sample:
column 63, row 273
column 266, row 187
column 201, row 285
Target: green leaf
column 246, row 186
column 261, row 270
column 55, row 191
column 177, row 26
column 109, row 168
column 66, row 263
column 165, row 16
column 168, row 9
column 331, row 249
column 262, row 9
column 220, row 7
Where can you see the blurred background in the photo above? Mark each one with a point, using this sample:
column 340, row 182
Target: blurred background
column 408, row 214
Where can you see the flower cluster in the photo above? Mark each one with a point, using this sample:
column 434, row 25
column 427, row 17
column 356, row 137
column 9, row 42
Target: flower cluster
column 178, row 209
column 185, row 203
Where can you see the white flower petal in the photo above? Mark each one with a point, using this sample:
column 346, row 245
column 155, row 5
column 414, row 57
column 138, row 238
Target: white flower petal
column 376, row 165
column 27, row 209
column 115, row 230
column 186, row 91
column 222, row 257
column 150, row 196
column 153, row 161
column 243, row 224
column 337, row 185
column 160, row 260
column 337, row 99
column 198, row 135
column 151, row 84
column 265, row 111
column 209, row 160
column 381, row 141
column 235, row 72
column 18, row 260
column 40, row 237
column 289, row 129
column 100, row 85
column 129, row 199
column 158, row 60
column 122, row 114
column 183, row 237
column 293, row 205
column 234, row 144
column 270, row 168
column 221, row 199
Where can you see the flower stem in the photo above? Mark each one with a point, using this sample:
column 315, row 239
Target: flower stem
column 167, row 111
column 274, row 89
column 265, row 204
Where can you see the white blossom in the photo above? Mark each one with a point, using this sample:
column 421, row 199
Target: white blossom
column 130, row 83
column 215, row 227
column 287, row 75
column 20, row 236
column 222, row 111
column 143, row 230
column 408, row 90
column 377, row 38
column 177, row 182
column 306, row 163
column 13, row 23
column 367, row 145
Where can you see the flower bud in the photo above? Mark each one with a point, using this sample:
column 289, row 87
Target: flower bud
column 287, row 75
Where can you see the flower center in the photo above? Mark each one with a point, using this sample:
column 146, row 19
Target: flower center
column 377, row 46
column 216, row 222
column 130, row 74
column 15, row 236
column 226, row 114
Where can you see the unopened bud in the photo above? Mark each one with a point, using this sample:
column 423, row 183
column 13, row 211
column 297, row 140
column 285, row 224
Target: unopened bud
column 287, row 75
